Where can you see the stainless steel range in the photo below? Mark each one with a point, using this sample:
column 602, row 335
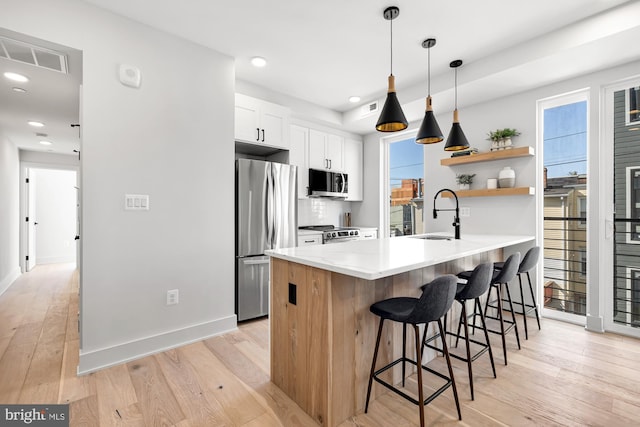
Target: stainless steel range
column 332, row 234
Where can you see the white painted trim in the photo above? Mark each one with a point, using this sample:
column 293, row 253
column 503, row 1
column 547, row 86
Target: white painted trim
column 575, row 96
column 9, row 279
column 91, row 361
column 55, row 259
column 595, row 324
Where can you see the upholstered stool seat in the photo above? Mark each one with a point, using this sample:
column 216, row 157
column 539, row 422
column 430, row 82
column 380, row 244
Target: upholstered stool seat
column 477, row 285
column 436, row 299
column 528, row 263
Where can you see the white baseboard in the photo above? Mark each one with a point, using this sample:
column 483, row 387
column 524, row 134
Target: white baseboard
column 6, row 281
column 55, row 259
column 95, row 360
column 595, row 324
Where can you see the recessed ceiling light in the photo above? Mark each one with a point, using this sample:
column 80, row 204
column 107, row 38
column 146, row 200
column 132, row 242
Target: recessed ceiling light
column 258, row 61
column 35, row 124
column 45, row 142
column 19, row 89
column 354, row 99
column 16, row 77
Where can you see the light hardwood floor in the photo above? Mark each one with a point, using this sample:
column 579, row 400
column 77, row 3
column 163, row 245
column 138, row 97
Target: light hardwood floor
column 563, row 375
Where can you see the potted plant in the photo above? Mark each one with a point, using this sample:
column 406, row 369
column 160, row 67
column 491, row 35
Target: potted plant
column 501, row 138
column 464, row 181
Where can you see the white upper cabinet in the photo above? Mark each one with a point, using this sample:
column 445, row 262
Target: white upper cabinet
column 298, row 155
column 325, row 151
column 261, row 122
column 353, row 166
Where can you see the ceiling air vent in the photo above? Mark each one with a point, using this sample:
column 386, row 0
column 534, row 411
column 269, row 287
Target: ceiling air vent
column 34, row 55
column 369, row 109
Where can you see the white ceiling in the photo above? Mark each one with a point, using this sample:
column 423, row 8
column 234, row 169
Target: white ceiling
column 322, row 52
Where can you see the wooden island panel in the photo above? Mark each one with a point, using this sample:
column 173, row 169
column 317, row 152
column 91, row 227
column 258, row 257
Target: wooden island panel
column 322, row 347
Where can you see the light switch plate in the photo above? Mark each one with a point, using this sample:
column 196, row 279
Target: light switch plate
column 136, row 202
column 465, row 211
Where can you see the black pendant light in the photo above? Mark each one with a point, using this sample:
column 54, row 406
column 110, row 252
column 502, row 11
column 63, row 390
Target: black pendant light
column 456, row 140
column 391, row 118
column 429, row 131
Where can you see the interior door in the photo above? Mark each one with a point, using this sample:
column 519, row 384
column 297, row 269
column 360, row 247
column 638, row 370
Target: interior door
column 31, row 220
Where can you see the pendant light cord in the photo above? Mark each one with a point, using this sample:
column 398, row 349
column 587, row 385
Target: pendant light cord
column 391, row 50
column 456, row 86
column 429, row 72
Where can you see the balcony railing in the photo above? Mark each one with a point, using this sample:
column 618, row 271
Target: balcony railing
column 626, row 270
column 565, row 264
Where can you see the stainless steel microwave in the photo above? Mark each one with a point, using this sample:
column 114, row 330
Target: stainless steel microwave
column 327, row 184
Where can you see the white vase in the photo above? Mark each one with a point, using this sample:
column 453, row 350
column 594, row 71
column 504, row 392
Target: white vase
column 463, row 186
column 507, row 178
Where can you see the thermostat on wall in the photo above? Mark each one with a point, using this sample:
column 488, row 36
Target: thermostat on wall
column 129, row 75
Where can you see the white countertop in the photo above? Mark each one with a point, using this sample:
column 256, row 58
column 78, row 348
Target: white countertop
column 375, row 258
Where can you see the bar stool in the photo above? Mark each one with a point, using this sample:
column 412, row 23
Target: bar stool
column 476, row 286
column 503, row 277
column 436, row 299
column 528, row 262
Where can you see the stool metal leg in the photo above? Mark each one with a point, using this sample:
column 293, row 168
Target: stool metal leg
column 486, row 336
column 446, row 355
column 533, row 298
column 373, row 365
column 500, row 317
column 524, row 308
column 513, row 315
column 419, row 369
column 404, row 352
column 468, row 344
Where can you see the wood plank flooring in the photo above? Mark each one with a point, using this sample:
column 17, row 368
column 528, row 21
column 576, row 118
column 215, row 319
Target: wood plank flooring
column 563, row 376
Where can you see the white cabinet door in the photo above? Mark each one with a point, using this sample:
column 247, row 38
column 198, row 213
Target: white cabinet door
column 317, row 157
column 333, row 151
column 298, row 155
column 261, row 122
column 274, row 120
column 354, row 168
column 325, row 151
column 247, row 120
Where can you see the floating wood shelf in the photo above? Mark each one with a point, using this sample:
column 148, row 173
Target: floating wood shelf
column 485, row 192
column 485, row 157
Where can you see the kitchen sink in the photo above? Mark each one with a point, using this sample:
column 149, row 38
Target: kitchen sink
column 428, row 237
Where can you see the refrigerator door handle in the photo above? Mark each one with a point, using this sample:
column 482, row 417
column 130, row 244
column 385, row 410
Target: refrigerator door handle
column 269, row 208
column 255, row 262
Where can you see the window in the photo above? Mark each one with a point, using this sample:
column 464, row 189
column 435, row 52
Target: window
column 633, row 203
column 632, row 103
column 583, row 260
column 406, row 168
column 582, row 206
column 634, row 300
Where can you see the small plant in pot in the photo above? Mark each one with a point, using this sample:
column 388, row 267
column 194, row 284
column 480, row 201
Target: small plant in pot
column 464, row 181
column 501, row 138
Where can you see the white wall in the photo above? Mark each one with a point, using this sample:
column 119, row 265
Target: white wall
column 9, row 212
column 171, row 139
column 56, row 215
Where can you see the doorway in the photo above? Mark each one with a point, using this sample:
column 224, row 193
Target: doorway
column 564, row 131
column 51, row 225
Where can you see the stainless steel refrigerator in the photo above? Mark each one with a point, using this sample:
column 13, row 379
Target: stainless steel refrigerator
column 266, row 218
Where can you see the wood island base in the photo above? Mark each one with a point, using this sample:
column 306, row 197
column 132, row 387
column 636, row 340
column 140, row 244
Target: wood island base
column 323, row 334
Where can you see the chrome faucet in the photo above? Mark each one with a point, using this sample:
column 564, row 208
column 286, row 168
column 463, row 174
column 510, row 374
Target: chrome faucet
column 456, row 218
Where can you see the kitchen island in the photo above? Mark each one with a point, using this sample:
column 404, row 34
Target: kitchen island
column 322, row 333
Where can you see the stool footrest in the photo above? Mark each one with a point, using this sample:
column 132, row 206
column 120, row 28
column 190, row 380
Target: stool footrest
column 485, row 347
column 396, row 390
